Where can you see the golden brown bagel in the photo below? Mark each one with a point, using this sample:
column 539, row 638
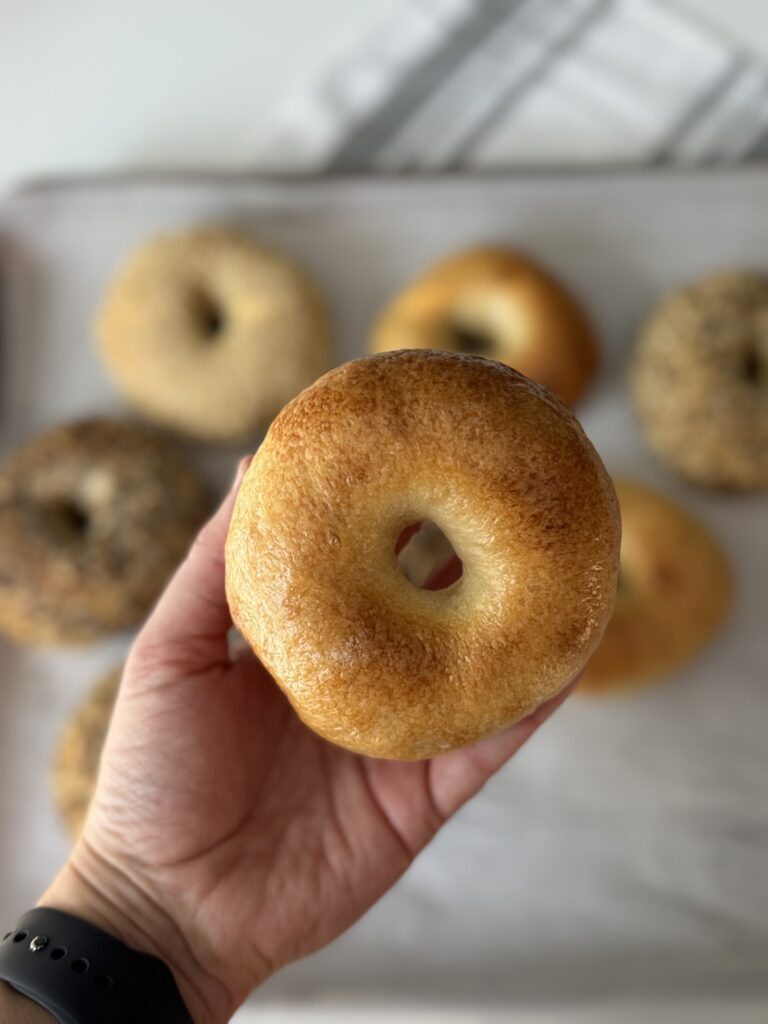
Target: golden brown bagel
column 368, row 660
column 674, row 593
column 79, row 752
column 699, row 380
column 499, row 304
column 210, row 335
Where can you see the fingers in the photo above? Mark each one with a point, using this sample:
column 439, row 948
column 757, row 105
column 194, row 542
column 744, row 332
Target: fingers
column 188, row 628
column 457, row 776
column 408, row 533
column 446, row 574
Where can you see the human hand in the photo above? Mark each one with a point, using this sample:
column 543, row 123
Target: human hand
column 224, row 836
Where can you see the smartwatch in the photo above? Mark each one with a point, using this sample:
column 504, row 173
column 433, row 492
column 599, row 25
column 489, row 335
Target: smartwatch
column 83, row 975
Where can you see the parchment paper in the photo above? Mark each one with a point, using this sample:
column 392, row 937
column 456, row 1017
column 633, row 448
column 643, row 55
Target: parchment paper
column 625, row 850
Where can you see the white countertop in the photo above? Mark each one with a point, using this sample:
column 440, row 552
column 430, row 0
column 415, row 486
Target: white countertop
column 91, row 86
column 659, row 896
column 701, row 1013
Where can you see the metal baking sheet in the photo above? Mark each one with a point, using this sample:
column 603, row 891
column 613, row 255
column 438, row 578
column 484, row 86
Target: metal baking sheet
column 622, row 855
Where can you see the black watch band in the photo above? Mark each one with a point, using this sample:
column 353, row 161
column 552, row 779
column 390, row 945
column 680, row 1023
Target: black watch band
column 82, row 975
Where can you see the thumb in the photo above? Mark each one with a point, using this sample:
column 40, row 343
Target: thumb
column 188, row 627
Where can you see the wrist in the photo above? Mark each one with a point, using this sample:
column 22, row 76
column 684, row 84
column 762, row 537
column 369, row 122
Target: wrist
column 93, row 890
column 17, row 1009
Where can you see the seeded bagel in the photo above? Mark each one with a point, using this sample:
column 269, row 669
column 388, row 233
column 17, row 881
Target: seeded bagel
column 94, row 517
column 77, row 758
column 699, row 381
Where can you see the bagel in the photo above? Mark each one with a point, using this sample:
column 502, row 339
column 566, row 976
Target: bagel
column 76, row 766
column 674, row 593
column 94, row 517
column 502, row 305
column 699, row 381
column 210, row 335
column 367, row 659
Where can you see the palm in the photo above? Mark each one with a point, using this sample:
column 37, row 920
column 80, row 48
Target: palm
column 273, row 840
column 255, row 840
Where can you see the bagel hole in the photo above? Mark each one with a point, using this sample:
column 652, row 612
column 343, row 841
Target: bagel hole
column 473, row 341
column 426, row 557
column 209, row 315
column 69, row 518
column 752, row 368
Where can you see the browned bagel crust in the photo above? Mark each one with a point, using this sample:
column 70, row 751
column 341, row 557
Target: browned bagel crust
column 674, row 594
column 504, row 469
column 502, row 305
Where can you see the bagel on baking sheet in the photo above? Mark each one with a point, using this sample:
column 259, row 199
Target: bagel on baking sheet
column 76, row 766
column 699, row 380
column 94, row 517
column 211, row 335
column 674, row 593
column 500, row 304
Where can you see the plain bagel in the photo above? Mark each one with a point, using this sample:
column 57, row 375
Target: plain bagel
column 674, row 593
column 367, row 659
column 500, row 304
